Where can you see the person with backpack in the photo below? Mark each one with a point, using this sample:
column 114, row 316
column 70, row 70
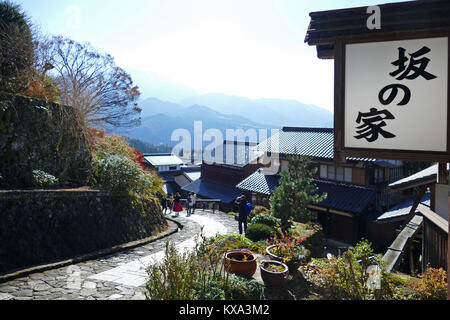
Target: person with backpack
column 244, row 209
column 191, row 203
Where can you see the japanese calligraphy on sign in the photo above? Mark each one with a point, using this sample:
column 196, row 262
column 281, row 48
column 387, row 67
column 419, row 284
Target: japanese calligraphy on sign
column 396, row 95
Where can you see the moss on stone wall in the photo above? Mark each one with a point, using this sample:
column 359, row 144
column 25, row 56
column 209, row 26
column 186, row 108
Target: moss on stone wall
column 39, row 135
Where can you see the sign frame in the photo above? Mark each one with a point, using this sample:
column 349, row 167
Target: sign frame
column 341, row 152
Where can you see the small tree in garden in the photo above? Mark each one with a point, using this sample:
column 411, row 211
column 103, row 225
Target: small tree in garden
column 297, row 189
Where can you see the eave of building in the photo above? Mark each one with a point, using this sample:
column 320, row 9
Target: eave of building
column 398, row 20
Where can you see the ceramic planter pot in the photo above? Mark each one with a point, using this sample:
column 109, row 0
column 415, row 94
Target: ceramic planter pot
column 271, row 277
column 293, row 264
column 240, row 262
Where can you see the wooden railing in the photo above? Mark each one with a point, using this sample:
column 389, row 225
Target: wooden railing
column 434, row 239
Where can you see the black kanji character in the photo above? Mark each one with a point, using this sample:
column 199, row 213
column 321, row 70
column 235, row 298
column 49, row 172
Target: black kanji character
column 373, row 121
column 394, row 91
column 415, row 67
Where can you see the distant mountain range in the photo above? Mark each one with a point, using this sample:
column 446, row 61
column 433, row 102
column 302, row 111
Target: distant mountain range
column 167, row 106
column 276, row 112
column 144, row 147
column 159, row 119
column 154, row 85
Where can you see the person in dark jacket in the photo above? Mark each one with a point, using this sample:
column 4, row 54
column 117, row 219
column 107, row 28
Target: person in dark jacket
column 241, row 203
column 163, row 202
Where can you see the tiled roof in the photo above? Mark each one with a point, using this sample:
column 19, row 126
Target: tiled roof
column 425, row 175
column 213, row 191
column 170, row 187
column 342, row 197
column 163, row 159
column 311, row 142
column 345, row 197
column 260, row 182
column 192, row 176
column 233, row 153
column 402, row 209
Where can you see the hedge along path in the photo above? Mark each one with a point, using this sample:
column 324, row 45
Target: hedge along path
column 134, row 273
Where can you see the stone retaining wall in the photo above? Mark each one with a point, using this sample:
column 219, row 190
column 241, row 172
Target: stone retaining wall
column 40, row 135
column 46, row 226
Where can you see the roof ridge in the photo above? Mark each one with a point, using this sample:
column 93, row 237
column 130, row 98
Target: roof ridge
column 307, row 129
column 158, row 154
column 344, row 184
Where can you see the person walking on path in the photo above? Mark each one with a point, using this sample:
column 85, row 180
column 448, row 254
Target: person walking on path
column 163, row 202
column 191, row 203
column 170, row 203
column 177, row 207
column 242, row 207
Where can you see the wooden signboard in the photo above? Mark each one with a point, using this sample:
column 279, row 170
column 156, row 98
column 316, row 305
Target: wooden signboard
column 391, row 98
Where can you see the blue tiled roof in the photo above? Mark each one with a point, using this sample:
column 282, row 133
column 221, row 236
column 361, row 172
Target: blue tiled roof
column 342, row 197
column 260, row 183
column 311, row 142
column 345, row 197
column 402, row 209
column 213, row 191
column 171, row 187
column 233, row 153
column 424, row 175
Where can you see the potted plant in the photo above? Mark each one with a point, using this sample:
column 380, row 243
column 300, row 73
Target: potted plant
column 241, row 262
column 287, row 249
column 273, row 273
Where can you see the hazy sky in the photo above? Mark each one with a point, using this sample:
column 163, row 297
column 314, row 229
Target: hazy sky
column 250, row 48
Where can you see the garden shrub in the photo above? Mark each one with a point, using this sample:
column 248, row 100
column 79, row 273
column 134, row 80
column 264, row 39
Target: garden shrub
column 266, row 219
column 259, row 231
column 223, row 243
column 431, row 285
column 395, row 286
column 43, row 179
column 345, row 277
column 115, row 172
column 174, row 278
column 258, row 210
column 244, row 289
column 110, row 144
column 118, row 167
column 213, row 290
column 197, row 275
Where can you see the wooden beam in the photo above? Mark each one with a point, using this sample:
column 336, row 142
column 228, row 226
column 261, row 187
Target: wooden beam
column 342, row 213
column 433, row 217
column 317, row 208
column 442, row 174
column 339, row 100
column 397, row 248
column 416, row 203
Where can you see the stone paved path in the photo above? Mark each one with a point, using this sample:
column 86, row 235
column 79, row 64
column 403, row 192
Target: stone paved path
column 119, row 276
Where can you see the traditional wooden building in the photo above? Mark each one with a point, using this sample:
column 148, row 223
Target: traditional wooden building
column 172, row 170
column 220, row 175
column 431, row 234
column 355, row 189
column 361, row 50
